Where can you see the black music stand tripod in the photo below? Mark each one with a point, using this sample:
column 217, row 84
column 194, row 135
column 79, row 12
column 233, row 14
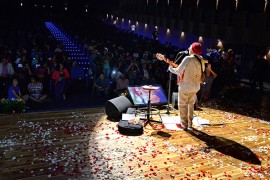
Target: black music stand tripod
column 149, row 109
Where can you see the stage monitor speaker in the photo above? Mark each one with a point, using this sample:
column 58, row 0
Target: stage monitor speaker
column 115, row 107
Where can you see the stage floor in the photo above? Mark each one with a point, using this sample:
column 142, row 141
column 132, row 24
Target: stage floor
column 84, row 144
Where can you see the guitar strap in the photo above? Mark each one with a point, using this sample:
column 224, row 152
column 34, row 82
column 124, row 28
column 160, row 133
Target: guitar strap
column 199, row 59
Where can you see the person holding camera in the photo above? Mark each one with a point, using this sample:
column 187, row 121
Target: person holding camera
column 132, row 72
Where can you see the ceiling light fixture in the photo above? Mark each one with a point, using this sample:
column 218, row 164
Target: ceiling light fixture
column 217, row 1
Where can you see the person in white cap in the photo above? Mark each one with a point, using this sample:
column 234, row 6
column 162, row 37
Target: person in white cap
column 189, row 74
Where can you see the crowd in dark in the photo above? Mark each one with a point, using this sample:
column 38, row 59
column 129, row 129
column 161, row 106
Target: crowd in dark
column 39, row 69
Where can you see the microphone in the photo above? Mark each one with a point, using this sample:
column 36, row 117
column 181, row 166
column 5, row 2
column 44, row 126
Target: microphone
column 178, row 55
column 183, row 52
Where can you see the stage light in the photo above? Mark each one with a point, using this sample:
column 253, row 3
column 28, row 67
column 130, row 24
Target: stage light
column 265, row 5
column 66, row 4
column 137, row 23
column 268, row 55
column 145, row 25
column 217, row 1
column 168, row 31
column 157, row 2
column 200, row 39
column 147, row 2
column 181, row 3
column 21, row 3
column 107, row 15
column 123, row 20
column 220, row 44
column 86, row 8
column 129, row 21
column 117, row 18
column 236, row 4
column 198, row 1
column 111, row 16
column 168, row 2
column 182, row 35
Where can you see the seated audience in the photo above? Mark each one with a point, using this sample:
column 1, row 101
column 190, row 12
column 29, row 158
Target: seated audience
column 116, row 74
column 14, row 91
column 121, row 85
column 6, row 69
column 60, row 75
column 35, row 89
column 102, row 85
column 6, row 72
column 23, row 73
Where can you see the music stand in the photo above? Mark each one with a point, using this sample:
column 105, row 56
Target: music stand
column 149, row 109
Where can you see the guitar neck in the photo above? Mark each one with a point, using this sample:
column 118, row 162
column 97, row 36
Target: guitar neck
column 170, row 62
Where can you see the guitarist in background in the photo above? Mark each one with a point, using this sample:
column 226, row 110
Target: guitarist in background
column 189, row 76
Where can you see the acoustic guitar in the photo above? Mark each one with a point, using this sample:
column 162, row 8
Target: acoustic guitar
column 163, row 58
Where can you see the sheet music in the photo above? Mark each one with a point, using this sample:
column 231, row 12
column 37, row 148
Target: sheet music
column 127, row 117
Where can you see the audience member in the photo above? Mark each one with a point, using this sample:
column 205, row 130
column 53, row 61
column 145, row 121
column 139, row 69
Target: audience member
column 145, row 75
column 6, row 69
column 259, row 71
column 6, row 72
column 145, row 59
column 14, row 91
column 35, row 63
column 121, row 85
column 116, row 74
column 35, row 90
column 60, row 76
column 206, row 86
column 23, row 74
column 132, row 74
column 229, row 67
column 102, row 85
column 106, row 62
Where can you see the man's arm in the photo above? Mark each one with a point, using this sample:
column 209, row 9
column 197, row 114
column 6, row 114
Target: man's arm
column 180, row 68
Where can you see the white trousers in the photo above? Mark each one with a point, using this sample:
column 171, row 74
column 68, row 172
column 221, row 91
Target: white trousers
column 186, row 101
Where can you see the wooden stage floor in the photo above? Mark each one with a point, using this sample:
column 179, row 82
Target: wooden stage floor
column 84, row 144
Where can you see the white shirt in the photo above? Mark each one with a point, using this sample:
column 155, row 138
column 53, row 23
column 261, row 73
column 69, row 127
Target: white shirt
column 189, row 74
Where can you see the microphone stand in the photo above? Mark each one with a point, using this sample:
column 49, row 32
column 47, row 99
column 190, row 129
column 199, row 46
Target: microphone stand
column 170, row 79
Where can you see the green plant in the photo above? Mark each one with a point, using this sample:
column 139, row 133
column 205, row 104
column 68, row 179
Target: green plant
column 12, row 106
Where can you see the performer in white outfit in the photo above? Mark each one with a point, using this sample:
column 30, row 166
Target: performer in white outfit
column 189, row 73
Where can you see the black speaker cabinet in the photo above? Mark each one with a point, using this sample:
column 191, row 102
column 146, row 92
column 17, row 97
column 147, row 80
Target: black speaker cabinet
column 115, row 107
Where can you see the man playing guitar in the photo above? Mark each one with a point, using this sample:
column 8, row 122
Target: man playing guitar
column 189, row 75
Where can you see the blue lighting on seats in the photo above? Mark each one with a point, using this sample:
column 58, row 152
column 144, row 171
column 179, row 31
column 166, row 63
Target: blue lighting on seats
column 73, row 49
